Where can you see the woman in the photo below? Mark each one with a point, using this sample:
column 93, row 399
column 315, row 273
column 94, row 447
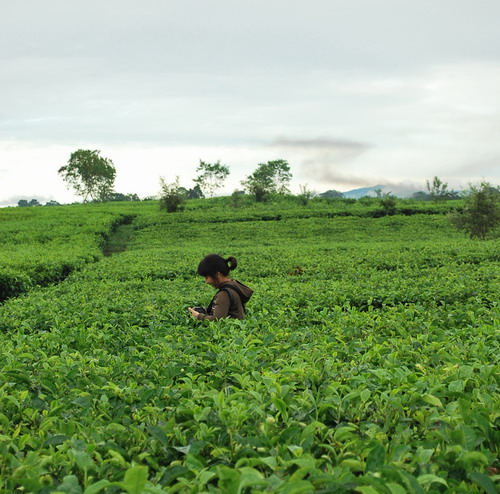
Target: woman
column 231, row 297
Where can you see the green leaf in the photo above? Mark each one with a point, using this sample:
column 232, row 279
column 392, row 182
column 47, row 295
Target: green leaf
column 353, row 465
column 367, row 489
column 411, row 482
column 82, row 459
column 465, row 371
column 365, row 395
column 205, row 477
column 159, row 434
column 429, row 479
column 172, row 473
column 70, row 485
column 396, row 488
column 97, row 487
column 4, row 421
column 472, row 459
column 297, row 487
column 433, row 400
column 456, row 386
column 280, row 405
column 183, row 449
column 295, row 450
column 250, row 476
column 468, row 437
column 229, row 480
column 376, row 458
column 55, row 440
column 135, row 479
column 343, row 433
column 194, row 464
column 484, row 482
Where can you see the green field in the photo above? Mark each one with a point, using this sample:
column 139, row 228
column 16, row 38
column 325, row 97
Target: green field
column 368, row 363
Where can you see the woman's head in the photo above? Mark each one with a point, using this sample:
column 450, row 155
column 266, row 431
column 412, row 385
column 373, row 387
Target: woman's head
column 213, row 264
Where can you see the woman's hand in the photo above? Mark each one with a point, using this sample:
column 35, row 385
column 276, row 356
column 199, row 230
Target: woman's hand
column 193, row 312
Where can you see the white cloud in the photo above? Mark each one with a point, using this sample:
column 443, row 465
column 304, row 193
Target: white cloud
column 159, row 86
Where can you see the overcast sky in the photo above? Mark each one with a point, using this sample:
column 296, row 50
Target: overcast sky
column 351, row 93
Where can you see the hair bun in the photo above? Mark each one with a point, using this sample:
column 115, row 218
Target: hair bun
column 231, row 262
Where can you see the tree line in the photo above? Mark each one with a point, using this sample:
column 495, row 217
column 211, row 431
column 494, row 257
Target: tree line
column 92, row 177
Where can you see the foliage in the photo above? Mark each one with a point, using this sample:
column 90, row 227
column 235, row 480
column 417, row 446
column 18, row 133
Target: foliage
column 268, row 178
column 172, row 196
column 421, row 196
column 117, row 196
column 304, row 196
column 211, row 177
column 481, row 212
column 388, row 203
column 43, row 245
column 90, row 174
column 438, row 190
column 195, row 193
column 24, row 203
column 237, row 199
column 368, row 362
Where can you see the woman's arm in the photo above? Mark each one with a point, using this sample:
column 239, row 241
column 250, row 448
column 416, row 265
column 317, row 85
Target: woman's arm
column 221, row 308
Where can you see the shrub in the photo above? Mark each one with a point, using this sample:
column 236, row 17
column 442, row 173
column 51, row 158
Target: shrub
column 388, row 203
column 481, row 212
column 237, row 199
column 305, row 195
column 172, row 196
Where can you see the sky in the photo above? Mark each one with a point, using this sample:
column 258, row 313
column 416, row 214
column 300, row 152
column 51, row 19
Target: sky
column 352, row 94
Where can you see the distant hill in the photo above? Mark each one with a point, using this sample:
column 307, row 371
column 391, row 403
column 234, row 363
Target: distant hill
column 402, row 191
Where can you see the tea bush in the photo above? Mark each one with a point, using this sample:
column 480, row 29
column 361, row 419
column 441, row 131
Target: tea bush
column 368, row 362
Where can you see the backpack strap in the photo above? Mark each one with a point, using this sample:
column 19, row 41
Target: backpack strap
column 228, row 289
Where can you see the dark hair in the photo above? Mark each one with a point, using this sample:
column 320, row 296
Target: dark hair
column 213, row 263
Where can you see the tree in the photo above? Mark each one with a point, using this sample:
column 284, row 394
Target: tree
column 119, row 197
column 438, row 190
column 481, row 212
column 91, row 175
column 420, row 196
column 305, row 195
column 211, row 177
column 195, row 193
column 388, row 203
column 23, row 203
column 237, row 198
column 271, row 177
column 172, row 196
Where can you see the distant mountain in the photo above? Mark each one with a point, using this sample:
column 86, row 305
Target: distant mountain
column 402, row 190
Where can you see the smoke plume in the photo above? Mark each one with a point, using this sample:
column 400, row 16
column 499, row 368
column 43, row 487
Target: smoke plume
column 324, row 160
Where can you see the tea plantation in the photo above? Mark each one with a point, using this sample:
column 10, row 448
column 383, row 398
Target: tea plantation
column 368, row 363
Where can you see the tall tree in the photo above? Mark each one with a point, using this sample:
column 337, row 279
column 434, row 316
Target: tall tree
column 438, row 190
column 271, row 177
column 211, row 177
column 90, row 174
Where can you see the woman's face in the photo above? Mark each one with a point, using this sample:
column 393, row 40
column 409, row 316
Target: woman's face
column 212, row 280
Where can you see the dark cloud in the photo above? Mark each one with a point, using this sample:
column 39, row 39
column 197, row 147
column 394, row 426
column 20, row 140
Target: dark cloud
column 325, row 159
column 488, row 165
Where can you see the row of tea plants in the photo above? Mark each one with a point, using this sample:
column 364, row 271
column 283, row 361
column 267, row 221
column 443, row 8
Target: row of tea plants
column 368, row 362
